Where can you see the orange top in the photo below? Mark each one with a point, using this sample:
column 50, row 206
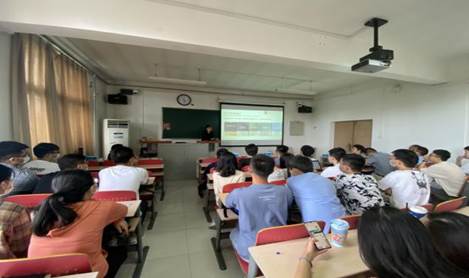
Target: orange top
column 84, row 235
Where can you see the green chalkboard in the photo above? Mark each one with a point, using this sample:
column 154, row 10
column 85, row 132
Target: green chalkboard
column 189, row 123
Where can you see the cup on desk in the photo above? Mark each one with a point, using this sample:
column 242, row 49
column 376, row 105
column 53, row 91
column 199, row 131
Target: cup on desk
column 418, row 211
column 339, row 231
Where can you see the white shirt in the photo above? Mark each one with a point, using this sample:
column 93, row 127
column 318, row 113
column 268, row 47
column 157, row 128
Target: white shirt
column 408, row 187
column 465, row 166
column 448, row 175
column 42, row 167
column 332, row 172
column 219, row 182
column 122, row 177
column 278, row 175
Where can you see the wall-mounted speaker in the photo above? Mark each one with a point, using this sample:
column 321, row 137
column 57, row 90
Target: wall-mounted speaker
column 305, row 109
column 117, row 99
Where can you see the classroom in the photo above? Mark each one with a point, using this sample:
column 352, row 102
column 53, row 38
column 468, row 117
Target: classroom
column 276, row 139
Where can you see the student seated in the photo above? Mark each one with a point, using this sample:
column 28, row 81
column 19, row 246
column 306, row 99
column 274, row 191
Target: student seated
column 66, row 162
column 15, row 225
column 463, row 161
column 260, row 205
column 279, row 152
column 125, row 175
column 314, row 195
column 308, row 151
column 356, row 191
column 335, row 155
column 14, row 155
column 280, row 172
column 379, row 161
column 251, row 150
column 420, row 151
column 46, row 162
column 359, row 149
column 203, row 177
column 450, row 233
column 226, row 173
column 446, row 178
column 70, row 222
column 393, row 243
column 111, row 152
column 407, row 186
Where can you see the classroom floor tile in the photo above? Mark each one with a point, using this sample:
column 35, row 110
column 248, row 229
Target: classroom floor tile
column 179, row 243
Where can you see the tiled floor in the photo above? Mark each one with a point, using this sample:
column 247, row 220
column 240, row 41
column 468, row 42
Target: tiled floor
column 180, row 240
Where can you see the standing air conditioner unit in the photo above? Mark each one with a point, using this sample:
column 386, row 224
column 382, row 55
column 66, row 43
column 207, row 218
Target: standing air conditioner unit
column 115, row 132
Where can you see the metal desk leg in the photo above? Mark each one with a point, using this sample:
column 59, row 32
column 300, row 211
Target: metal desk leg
column 253, row 269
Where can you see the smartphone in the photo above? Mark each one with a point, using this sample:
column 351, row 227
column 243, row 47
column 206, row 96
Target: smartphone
column 315, row 232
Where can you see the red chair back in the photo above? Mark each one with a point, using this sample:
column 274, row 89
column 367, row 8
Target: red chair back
column 208, row 160
column 118, row 195
column 246, row 168
column 92, row 163
column 450, row 205
column 108, row 163
column 352, row 221
column 232, row 186
column 150, row 161
column 28, row 201
column 59, row 265
column 279, row 182
column 283, row 233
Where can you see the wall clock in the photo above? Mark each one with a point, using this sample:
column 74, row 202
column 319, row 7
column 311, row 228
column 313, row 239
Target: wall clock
column 184, row 99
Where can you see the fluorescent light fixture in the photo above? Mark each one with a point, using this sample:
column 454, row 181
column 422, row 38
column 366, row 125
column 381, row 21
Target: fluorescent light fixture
column 178, row 81
column 298, row 92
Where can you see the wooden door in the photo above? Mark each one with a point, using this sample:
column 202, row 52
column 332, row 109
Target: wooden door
column 343, row 135
column 348, row 133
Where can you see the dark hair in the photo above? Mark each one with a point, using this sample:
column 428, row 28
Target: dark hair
column 355, row 161
column 5, row 173
column 113, row 149
column 422, row 150
column 395, row 244
column 122, row 155
column 282, row 149
column 9, row 149
column 466, row 148
column 262, row 165
column 408, row 157
column 251, row 149
column 284, row 160
column 69, row 187
column 301, row 163
column 337, row 153
column 360, row 148
column 43, row 149
column 70, row 161
column 449, row 232
column 442, row 154
column 307, row 150
column 370, row 150
column 221, row 151
column 226, row 165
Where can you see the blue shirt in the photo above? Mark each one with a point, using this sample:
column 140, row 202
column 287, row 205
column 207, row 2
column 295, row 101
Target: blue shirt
column 259, row 206
column 316, row 198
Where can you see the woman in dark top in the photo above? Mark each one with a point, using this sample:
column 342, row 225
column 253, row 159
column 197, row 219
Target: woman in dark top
column 208, row 134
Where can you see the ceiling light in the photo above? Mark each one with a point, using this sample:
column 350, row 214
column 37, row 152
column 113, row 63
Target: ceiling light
column 298, row 92
column 179, row 81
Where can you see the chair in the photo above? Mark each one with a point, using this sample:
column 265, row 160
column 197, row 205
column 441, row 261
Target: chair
column 108, row 163
column 93, row 163
column 450, row 205
column 150, row 162
column 352, row 221
column 58, row 265
column 277, row 234
column 208, row 160
column 158, row 174
column 232, row 186
column 279, row 182
column 246, row 168
column 118, row 195
column 29, row 201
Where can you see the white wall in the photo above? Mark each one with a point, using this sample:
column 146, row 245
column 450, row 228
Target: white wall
column 145, row 112
column 402, row 114
column 5, row 110
column 99, row 92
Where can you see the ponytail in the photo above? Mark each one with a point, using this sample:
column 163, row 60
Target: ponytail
column 69, row 187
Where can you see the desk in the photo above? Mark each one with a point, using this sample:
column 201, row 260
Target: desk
column 281, row 259
column 81, row 275
column 464, row 210
column 132, row 207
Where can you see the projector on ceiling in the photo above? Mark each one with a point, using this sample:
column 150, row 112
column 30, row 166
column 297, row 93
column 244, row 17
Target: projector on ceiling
column 379, row 58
